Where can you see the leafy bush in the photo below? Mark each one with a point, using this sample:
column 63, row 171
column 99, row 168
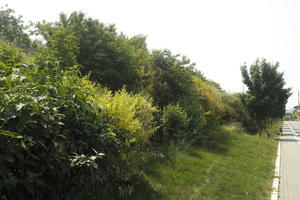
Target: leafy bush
column 54, row 143
column 168, row 78
column 211, row 101
column 131, row 113
column 9, row 54
column 174, row 125
column 234, row 110
column 65, row 137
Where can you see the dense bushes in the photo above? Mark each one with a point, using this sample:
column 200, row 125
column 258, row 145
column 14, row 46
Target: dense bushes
column 9, row 54
column 174, row 123
column 55, row 142
column 63, row 136
column 131, row 113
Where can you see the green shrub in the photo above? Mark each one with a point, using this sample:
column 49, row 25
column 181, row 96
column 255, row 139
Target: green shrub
column 9, row 54
column 54, row 144
column 197, row 122
column 212, row 103
column 131, row 113
column 133, row 116
column 174, row 125
column 250, row 125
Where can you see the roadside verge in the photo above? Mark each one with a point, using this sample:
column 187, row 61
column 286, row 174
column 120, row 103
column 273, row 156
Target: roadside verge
column 275, row 185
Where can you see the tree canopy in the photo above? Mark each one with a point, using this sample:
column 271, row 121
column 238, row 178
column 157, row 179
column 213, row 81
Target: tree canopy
column 12, row 28
column 267, row 96
column 110, row 58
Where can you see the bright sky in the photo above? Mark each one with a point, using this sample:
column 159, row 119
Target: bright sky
column 219, row 36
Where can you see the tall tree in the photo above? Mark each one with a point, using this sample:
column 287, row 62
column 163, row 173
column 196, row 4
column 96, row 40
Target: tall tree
column 112, row 59
column 13, row 29
column 168, row 78
column 267, row 96
column 61, row 44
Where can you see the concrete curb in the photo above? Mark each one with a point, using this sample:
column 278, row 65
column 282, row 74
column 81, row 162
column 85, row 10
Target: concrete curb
column 275, row 185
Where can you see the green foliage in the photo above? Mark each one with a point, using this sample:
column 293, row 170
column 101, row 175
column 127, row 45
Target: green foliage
column 174, row 124
column 53, row 137
column 267, row 96
column 249, row 123
column 61, row 44
column 13, row 29
column 112, row 59
column 134, row 114
column 211, row 101
column 9, row 54
column 168, row 78
column 66, row 137
column 197, row 122
column 115, row 60
column 234, row 109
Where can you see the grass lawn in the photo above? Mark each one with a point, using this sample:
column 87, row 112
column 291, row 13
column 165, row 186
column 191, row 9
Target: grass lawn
column 240, row 167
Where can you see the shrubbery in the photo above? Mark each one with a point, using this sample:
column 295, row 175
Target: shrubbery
column 56, row 142
column 131, row 113
column 63, row 136
column 63, row 133
column 9, row 54
column 174, row 123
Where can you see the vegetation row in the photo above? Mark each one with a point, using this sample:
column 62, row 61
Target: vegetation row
column 82, row 107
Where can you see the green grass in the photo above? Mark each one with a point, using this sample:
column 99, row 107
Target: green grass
column 240, row 167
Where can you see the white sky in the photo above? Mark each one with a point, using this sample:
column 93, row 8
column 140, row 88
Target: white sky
column 218, row 35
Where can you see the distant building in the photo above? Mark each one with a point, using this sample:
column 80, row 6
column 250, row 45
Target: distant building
column 297, row 112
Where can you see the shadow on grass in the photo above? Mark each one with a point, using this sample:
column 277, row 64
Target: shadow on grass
column 217, row 143
column 143, row 190
column 193, row 153
column 216, row 147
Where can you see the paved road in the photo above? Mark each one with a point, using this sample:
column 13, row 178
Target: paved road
column 290, row 161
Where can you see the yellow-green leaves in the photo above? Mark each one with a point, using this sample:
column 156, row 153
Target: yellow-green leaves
column 131, row 113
